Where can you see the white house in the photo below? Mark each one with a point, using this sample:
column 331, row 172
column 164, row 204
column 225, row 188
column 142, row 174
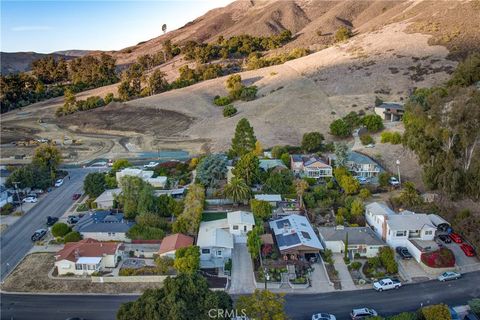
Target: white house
column 105, row 200
column 310, row 166
column 405, row 229
column 86, row 257
column 145, row 175
column 5, row 197
column 216, row 238
column 104, row 226
column 361, row 240
column 362, row 166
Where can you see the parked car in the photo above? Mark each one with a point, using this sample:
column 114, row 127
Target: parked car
column 362, row 313
column 467, row 249
column 58, row 183
column 455, row 237
column 394, row 182
column 76, row 196
column 51, row 220
column 445, row 238
column 323, row 316
column 362, row 180
column 449, row 275
column 73, row 219
column 39, row 234
column 386, row 284
column 403, row 253
column 151, row 165
column 30, row 199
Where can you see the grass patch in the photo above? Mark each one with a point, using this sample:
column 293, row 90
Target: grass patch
column 212, row 216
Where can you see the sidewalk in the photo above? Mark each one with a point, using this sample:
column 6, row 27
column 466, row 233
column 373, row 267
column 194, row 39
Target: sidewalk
column 343, row 273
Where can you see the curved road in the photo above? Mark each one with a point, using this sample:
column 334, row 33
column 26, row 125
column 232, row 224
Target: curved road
column 299, row 306
column 15, row 241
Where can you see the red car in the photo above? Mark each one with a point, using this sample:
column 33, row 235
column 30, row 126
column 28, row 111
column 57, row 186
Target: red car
column 455, row 237
column 76, row 196
column 468, row 250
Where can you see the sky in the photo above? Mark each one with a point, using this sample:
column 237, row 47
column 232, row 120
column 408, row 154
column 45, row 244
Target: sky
column 48, row 26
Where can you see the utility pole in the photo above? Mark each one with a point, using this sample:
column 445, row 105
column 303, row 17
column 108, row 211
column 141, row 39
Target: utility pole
column 18, row 197
column 398, row 169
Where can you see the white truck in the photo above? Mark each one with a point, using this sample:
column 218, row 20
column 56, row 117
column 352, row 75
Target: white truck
column 386, row 284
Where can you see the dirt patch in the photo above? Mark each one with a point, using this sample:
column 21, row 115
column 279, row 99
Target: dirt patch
column 31, row 275
column 123, row 117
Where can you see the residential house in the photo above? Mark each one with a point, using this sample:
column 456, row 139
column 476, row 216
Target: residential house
column 170, row 244
column 390, row 111
column 217, row 237
column 272, row 164
column 86, row 257
column 287, row 207
column 405, row 229
column 362, row 165
column 106, row 200
column 145, row 175
column 273, row 199
column 295, row 237
column 310, row 166
column 104, row 226
column 174, row 193
column 142, row 248
column 5, row 197
column 361, row 240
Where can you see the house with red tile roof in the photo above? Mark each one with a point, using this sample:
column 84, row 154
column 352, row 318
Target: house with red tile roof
column 86, row 257
column 171, row 243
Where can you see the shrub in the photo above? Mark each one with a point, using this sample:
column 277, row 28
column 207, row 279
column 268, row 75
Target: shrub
column 392, row 137
column 72, row 236
column 229, row 111
column 340, row 128
column 248, row 93
column 355, row 265
column 442, row 258
column 366, row 139
column 342, row 34
column 436, row 312
column 139, row 232
column 82, row 207
column 6, row 209
column 387, row 257
column 373, row 122
column 60, row 229
column 221, row 101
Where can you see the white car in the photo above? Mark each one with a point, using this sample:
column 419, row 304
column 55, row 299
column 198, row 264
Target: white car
column 151, row 165
column 371, row 145
column 58, row 183
column 449, row 275
column 30, row 199
column 362, row 313
column 393, row 181
column 323, row 316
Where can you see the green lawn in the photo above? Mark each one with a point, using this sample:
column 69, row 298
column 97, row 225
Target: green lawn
column 211, row 216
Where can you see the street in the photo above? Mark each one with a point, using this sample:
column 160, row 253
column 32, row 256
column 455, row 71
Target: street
column 299, row 306
column 15, row 242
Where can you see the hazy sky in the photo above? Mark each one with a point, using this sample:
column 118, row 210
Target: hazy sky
column 47, row 26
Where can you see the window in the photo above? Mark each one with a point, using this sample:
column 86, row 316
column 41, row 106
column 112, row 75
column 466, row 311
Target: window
column 205, row 251
column 245, row 228
column 91, row 267
column 219, row 253
column 401, row 233
column 235, row 227
column 78, row 267
column 428, row 232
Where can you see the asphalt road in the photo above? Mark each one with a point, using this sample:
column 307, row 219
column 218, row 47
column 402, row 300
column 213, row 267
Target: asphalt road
column 15, row 242
column 104, row 307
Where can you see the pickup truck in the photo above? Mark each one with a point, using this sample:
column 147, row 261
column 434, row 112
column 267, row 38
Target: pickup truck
column 386, row 284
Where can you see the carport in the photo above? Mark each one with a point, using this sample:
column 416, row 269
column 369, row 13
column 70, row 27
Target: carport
column 440, row 223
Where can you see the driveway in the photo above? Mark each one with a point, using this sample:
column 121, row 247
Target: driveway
column 343, row 273
column 242, row 270
column 464, row 263
column 15, row 241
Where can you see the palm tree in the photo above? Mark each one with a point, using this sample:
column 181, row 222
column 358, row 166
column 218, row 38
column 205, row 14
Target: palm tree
column 237, row 190
column 300, row 187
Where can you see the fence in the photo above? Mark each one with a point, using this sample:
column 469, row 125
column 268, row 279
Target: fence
column 126, row 279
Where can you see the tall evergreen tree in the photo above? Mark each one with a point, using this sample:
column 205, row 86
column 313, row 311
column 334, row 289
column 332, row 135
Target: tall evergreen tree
column 244, row 139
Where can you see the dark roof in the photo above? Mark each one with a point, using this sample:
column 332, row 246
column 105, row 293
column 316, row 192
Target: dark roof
column 103, row 221
column 287, row 240
column 4, row 173
column 391, row 105
column 361, row 158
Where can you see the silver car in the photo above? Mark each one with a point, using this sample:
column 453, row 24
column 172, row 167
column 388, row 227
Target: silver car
column 323, row 316
column 449, row 275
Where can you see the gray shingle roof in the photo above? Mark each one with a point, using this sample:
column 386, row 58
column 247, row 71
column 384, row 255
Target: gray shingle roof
column 356, row 235
column 103, row 221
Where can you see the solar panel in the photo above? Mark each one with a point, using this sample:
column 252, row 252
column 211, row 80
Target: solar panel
column 288, row 240
column 306, row 235
column 281, row 223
